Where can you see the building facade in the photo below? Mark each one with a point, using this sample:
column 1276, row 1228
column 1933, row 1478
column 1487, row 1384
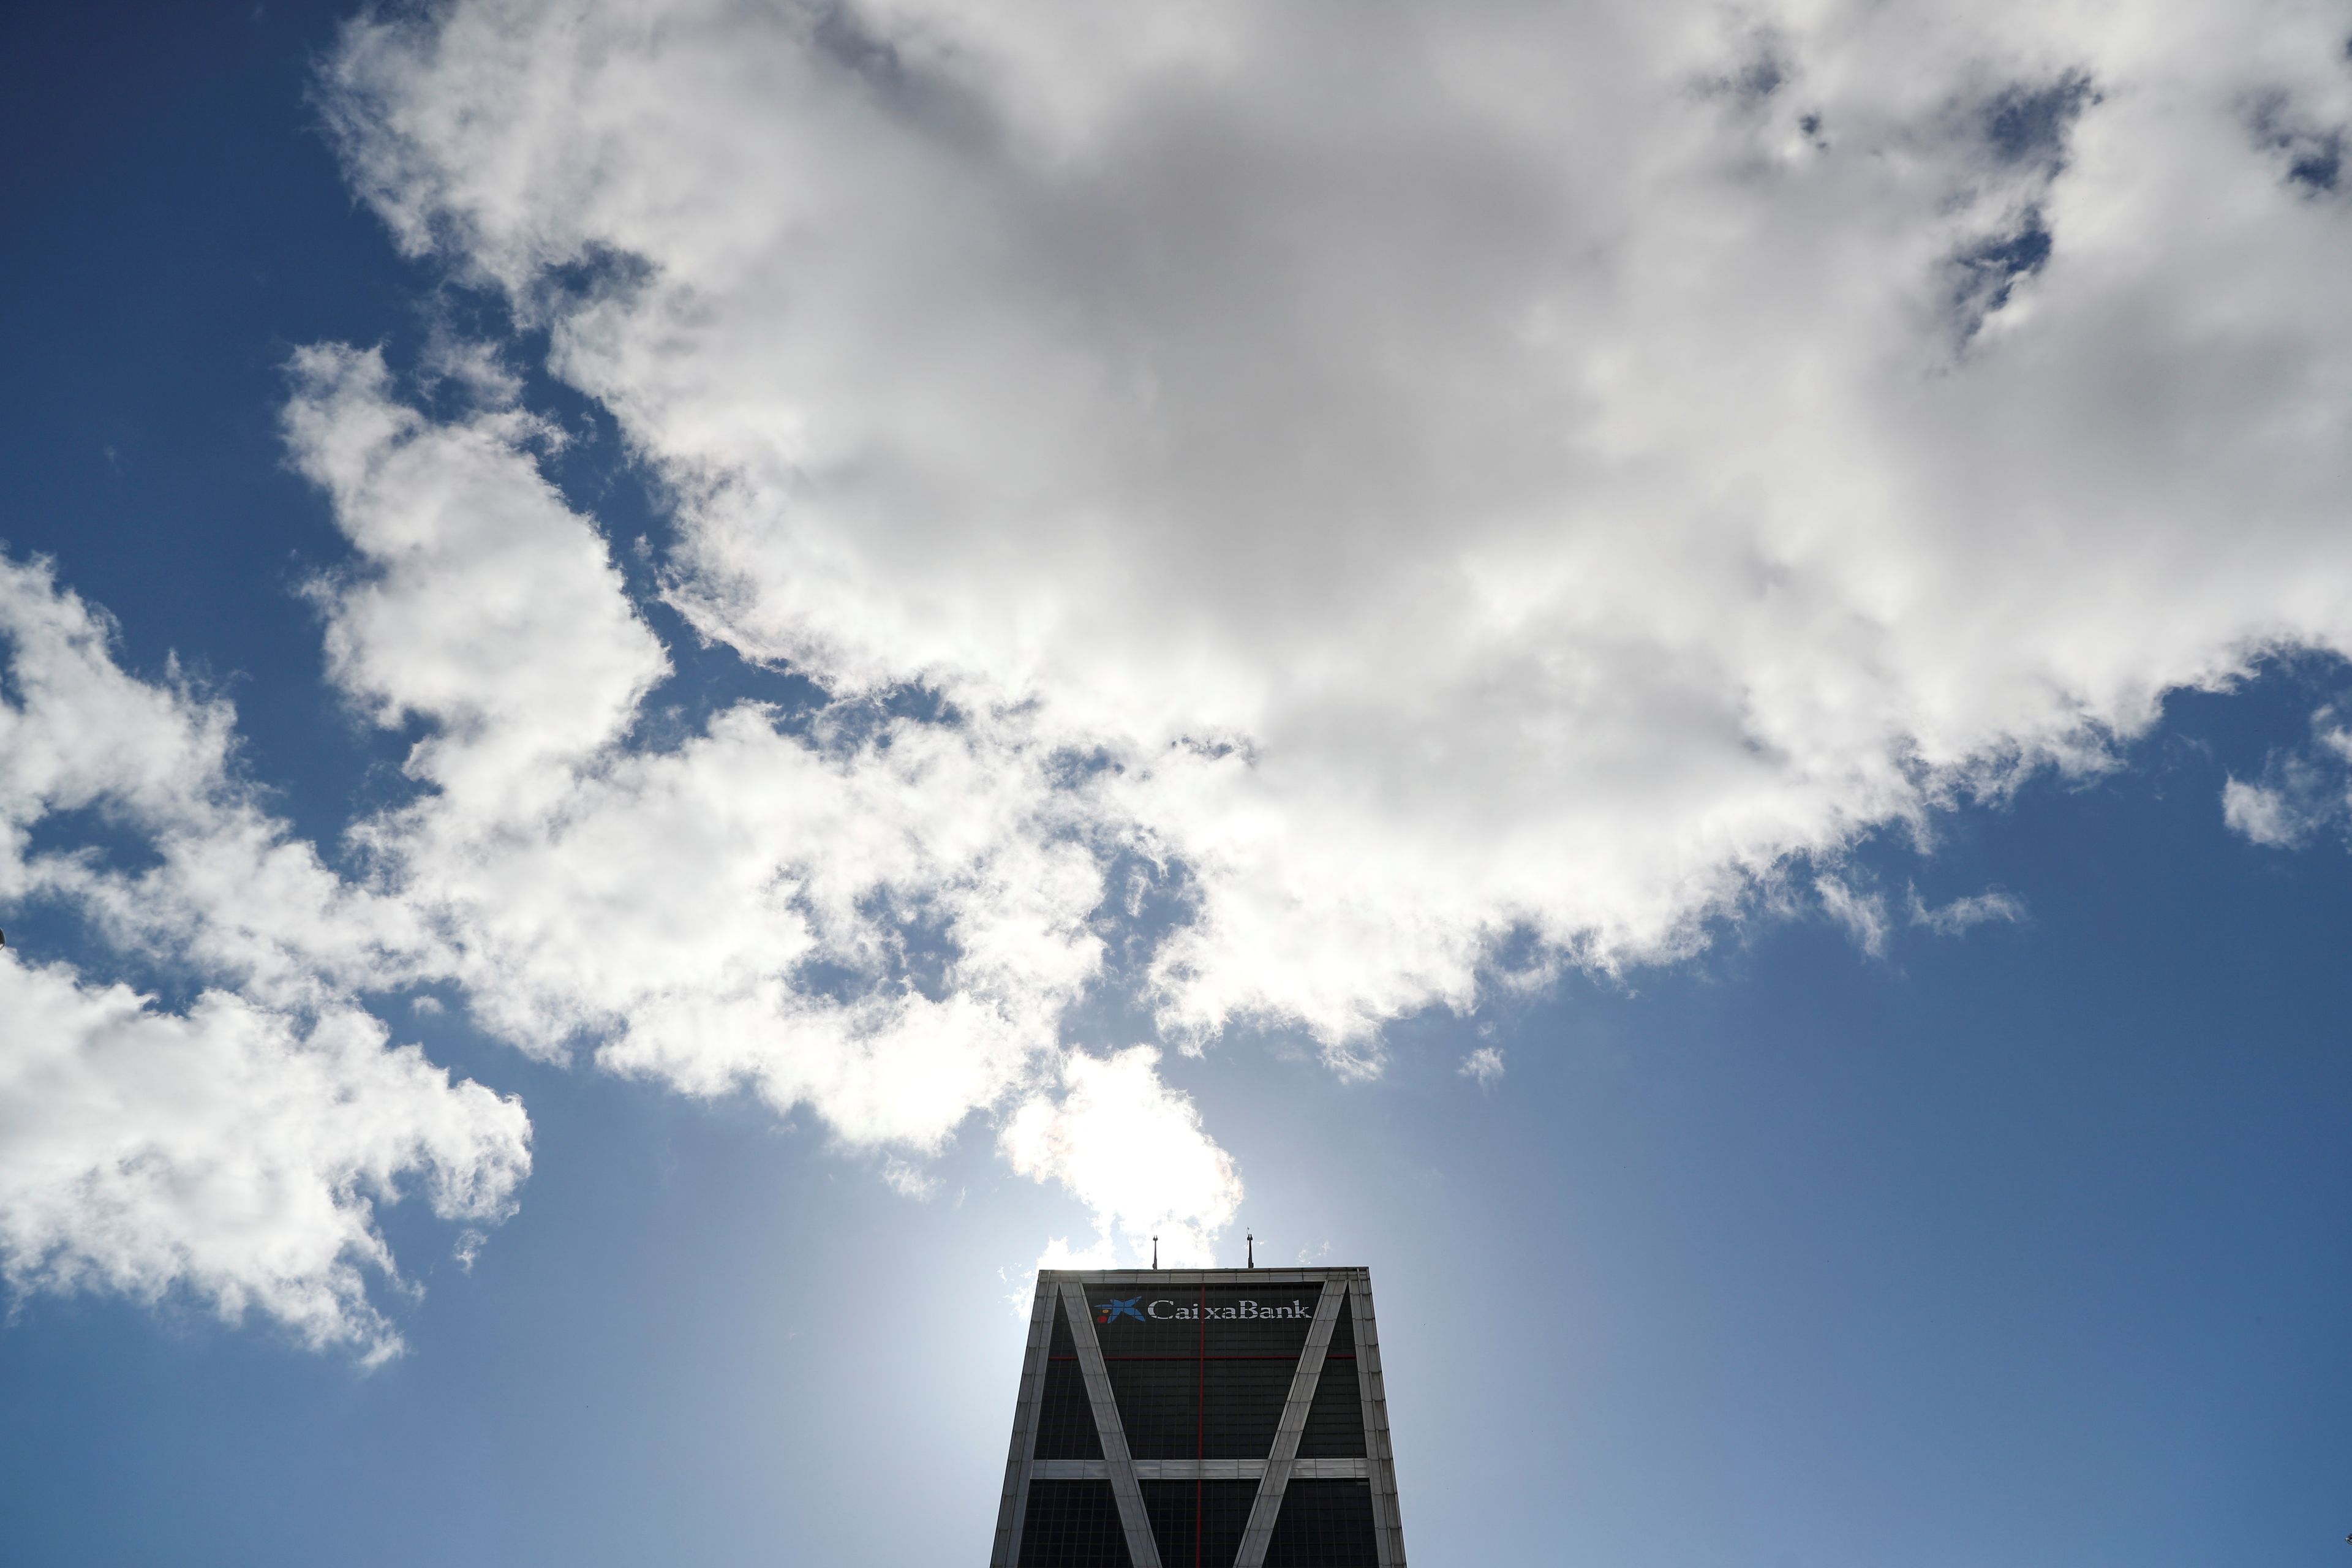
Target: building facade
column 1200, row 1419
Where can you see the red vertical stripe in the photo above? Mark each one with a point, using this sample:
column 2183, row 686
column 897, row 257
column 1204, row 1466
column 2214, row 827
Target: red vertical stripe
column 1201, row 1426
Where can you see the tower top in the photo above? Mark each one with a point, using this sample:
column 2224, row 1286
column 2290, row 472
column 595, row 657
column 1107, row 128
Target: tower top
column 1225, row 1417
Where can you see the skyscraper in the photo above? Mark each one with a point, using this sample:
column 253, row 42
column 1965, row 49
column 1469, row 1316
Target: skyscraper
column 1200, row 1419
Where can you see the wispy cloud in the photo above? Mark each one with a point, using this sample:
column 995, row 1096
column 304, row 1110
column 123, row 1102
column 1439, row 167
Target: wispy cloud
column 1862, row 913
column 2302, row 792
column 1485, row 1065
column 909, row 1181
column 1993, row 906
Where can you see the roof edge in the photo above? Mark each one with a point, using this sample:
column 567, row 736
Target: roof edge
column 1198, row 1276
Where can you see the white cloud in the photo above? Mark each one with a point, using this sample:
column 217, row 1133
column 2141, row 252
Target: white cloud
column 230, row 1153
column 1861, row 914
column 1422, row 481
column 1961, row 914
column 218, row 882
column 1516, row 471
column 2264, row 815
column 480, row 602
column 1485, row 1064
column 2303, row 791
column 881, row 918
column 909, row 1181
column 752, row 907
column 1134, row 1150
column 233, row 1153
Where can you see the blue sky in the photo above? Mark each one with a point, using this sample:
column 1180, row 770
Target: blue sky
column 779, row 596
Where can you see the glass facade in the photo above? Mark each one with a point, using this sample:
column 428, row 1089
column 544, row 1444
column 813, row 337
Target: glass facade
column 1324, row 1524
column 1335, row 1422
column 1198, row 1521
column 1210, row 1424
column 1073, row 1524
column 1202, row 1372
column 1065, row 1418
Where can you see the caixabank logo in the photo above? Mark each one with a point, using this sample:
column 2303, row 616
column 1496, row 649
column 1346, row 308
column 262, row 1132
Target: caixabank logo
column 1169, row 1310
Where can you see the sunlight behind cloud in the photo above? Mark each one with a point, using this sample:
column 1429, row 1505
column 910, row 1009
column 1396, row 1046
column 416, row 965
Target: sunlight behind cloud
column 1135, row 1152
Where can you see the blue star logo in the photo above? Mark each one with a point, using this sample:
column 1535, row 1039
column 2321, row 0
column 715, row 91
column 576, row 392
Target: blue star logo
column 1125, row 1309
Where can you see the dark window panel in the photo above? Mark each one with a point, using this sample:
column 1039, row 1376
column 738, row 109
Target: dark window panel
column 1159, row 1406
column 1073, row 1524
column 1324, row 1524
column 1066, row 1416
column 1244, row 1406
column 1198, row 1522
column 1335, row 1421
column 1343, row 1332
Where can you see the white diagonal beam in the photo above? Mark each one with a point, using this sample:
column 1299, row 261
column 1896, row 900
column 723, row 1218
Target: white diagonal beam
column 1012, row 1511
column 1259, row 1532
column 1388, row 1524
column 1142, row 1550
